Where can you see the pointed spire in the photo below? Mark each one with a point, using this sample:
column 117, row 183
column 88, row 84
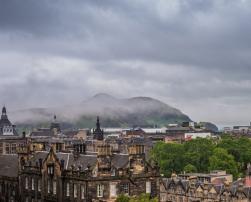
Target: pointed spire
column 4, row 112
column 97, row 124
column 98, row 133
column 55, row 117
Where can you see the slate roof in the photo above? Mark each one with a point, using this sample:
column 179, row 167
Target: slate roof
column 71, row 133
column 83, row 160
column 9, row 165
column 43, row 132
column 120, row 160
column 235, row 187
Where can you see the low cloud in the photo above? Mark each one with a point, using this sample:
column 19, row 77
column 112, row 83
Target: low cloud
column 192, row 54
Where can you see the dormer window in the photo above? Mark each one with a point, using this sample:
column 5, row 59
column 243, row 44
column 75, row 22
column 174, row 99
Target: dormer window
column 26, row 183
column 148, row 187
column 113, row 173
column 100, row 190
column 67, row 189
column 50, row 169
column 32, row 184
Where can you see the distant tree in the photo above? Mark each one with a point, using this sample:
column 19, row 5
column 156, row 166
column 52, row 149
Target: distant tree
column 202, row 155
column 240, row 148
column 169, row 157
column 197, row 153
column 189, row 168
column 221, row 160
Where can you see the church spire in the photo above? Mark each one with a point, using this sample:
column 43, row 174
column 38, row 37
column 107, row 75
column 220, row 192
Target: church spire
column 4, row 112
column 98, row 134
column 98, row 124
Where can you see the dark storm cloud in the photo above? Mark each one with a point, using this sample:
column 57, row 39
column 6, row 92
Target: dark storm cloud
column 186, row 52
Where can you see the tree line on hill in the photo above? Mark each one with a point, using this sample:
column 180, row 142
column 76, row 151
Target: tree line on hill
column 204, row 155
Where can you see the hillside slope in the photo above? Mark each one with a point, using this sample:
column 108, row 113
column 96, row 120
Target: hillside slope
column 136, row 111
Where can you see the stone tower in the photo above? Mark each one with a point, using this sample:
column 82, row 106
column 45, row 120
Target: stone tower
column 98, row 134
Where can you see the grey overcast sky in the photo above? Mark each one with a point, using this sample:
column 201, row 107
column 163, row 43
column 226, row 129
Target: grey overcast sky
column 192, row 54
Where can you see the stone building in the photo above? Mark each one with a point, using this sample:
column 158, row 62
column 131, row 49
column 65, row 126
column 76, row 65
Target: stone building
column 98, row 133
column 53, row 131
column 9, row 188
column 10, row 140
column 176, row 189
column 6, row 127
column 77, row 176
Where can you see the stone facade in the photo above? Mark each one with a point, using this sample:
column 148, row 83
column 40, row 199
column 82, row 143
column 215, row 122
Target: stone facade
column 179, row 190
column 81, row 176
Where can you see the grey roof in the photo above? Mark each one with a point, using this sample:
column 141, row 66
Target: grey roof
column 9, row 165
column 69, row 160
column 44, row 132
column 120, row 160
column 83, row 160
column 71, row 133
column 247, row 191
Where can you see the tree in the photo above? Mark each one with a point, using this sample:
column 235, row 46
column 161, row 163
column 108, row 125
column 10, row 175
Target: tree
column 198, row 152
column 189, row 168
column 221, row 160
column 240, row 148
column 140, row 198
column 123, row 198
column 169, row 157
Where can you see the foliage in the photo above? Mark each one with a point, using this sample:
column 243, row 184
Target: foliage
column 240, row 148
column 189, row 168
column 198, row 152
column 203, row 155
column 140, row 198
column 221, row 160
column 170, row 158
column 123, row 198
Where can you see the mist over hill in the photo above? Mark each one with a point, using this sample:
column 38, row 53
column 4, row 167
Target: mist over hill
column 114, row 112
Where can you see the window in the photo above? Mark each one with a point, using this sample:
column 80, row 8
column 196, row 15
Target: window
column 50, row 169
column 32, row 184
column 113, row 190
column 125, row 188
column 54, row 187
column 67, row 189
column 100, row 190
column 48, row 187
column 148, row 187
column 39, row 185
column 26, row 183
column 75, row 190
column 13, row 148
column 7, row 148
column 82, row 191
column 1, row 148
column 113, row 172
